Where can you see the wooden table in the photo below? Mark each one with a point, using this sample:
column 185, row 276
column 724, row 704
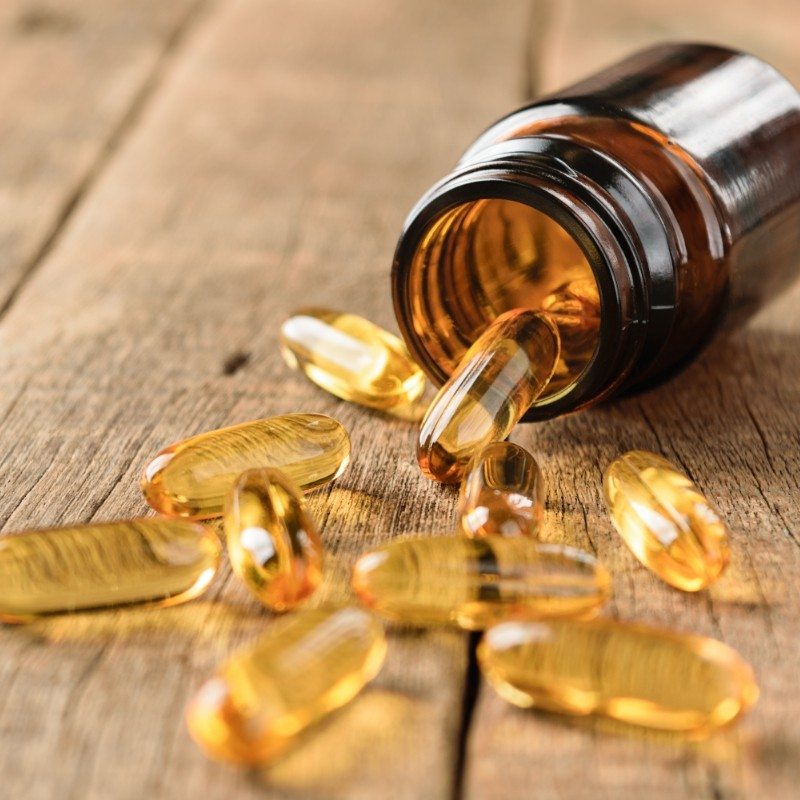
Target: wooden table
column 175, row 178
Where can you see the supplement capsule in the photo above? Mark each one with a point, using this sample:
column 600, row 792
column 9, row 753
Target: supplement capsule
column 159, row 561
column 273, row 542
column 502, row 493
column 666, row 521
column 476, row 582
column 506, row 369
column 352, row 358
column 306, row 665
column 574, row 308
column 634, row 673
column 192, row 478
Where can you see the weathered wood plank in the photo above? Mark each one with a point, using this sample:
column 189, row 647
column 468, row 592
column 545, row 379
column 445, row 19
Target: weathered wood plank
column 272, row 169
column 582, row 37
column 72, row 78
column 732, row 421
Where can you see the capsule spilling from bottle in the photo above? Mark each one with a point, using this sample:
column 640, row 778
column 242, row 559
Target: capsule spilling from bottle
column 502, row 493
column 496, row 382
column 57, row 570
column 307, row 665
column 273, row 543
column 633, row 673
column 666, row 520
column 192, row 478
column 352, row 358
column 474, row 583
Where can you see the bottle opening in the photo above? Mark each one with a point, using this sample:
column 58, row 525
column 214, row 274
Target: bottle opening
column 484, row 257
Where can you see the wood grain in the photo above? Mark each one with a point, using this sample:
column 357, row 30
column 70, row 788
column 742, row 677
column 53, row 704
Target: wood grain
column 178, row 181
column 579, row 38
column 272, row 168
column 72, row 79
column 731, row 421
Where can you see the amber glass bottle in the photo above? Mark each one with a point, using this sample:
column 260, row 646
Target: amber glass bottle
column 640, row 207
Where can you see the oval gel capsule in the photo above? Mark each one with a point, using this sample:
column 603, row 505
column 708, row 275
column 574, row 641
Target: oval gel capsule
column 475, row 582
column 351, row 358
column 503, row 372
column 192, row 478
column 633, row 673
column 273, row 544
column 574, row 308
column 52, row 570
column 502, row 493
column 306, row 665
column 666, row 521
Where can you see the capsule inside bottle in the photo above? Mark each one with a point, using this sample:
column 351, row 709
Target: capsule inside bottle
column 307, row 665
column 352, row 358
column 58, row 570
column 192, row 478
column 272, row 540
column 666, row 521
column 502, row 493
column 632, row 673
column 500, row 376
column 574, row 308
column 474, row 583
column 481, row 258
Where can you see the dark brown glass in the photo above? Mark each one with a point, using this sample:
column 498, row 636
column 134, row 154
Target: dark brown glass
column 667, row 187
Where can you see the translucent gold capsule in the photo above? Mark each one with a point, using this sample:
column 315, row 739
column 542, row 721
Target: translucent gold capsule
column 351, row 358
column 634, row 673
column 666, row 521
column 502, row 493
column 574, row 308
column 191, row 478
column 493, row 386
column 305, row 666
column 475, row 582
column 53, row 570
column 273, row 542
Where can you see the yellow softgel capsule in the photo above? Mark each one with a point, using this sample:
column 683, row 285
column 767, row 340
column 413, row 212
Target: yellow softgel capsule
column 666, row 521
column 52, row 570
column 502, row 493
column 192, row 478
column 503, row 372
column 272, row 540
column 633, row 673
column 574, row 308
column 476, row 582
column 351, row 358
column 307, row 664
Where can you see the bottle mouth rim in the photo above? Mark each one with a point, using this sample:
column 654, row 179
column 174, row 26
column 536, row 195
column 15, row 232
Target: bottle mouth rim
column 552, row 187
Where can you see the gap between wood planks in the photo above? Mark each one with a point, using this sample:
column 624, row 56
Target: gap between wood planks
column 540, row 19
column 171, row 47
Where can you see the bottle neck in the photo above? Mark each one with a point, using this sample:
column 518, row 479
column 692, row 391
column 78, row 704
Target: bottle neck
column 443, row 300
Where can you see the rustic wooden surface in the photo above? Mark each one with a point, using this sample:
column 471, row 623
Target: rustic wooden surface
column 176, row 177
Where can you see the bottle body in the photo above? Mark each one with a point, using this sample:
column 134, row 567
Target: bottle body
column 641, row 207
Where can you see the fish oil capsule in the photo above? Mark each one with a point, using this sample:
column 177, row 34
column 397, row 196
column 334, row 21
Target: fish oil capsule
column 192, row 478
column 633, row 673
column 499, row 377
column 272, row 540
column 574, row 308
column 475, row 582
column 159, row 561
column 502, row 493
column 307, row 665
column 352, row 358
column 666, row 521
